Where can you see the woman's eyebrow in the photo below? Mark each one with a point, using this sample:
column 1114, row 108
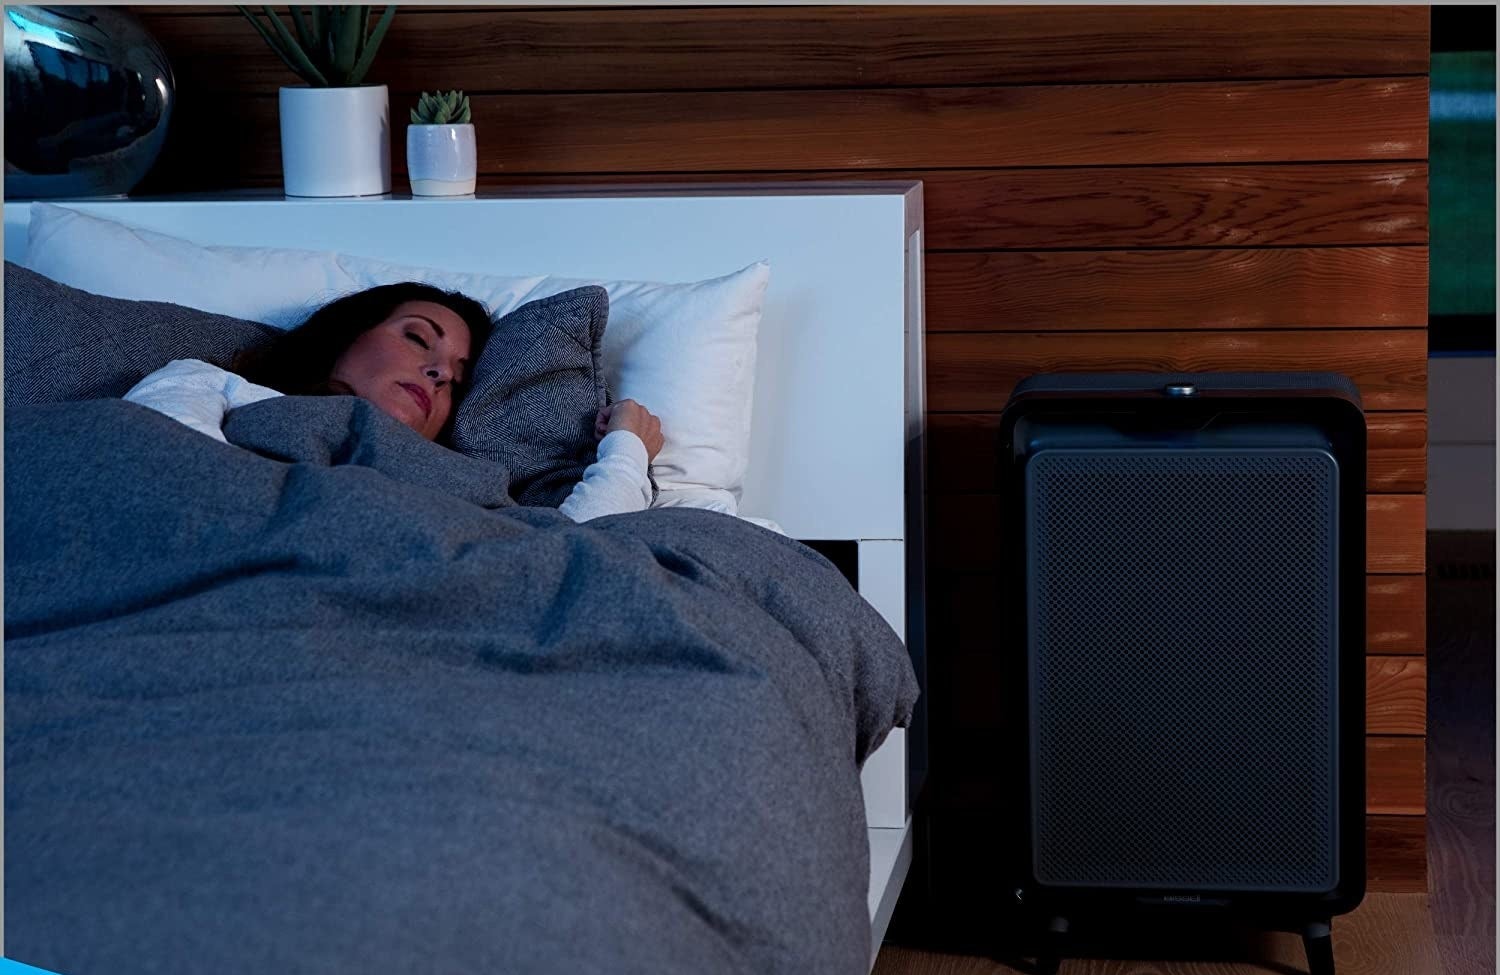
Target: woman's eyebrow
column 435, row 326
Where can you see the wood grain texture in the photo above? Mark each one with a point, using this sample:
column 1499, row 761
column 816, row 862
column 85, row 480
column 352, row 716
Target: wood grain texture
column 1392, row 520
column 974, row 372
column 963, row 532
column 663, row 49
column 965, row 617
column 1252, row 121
column 1313, row 287
column 1396, row 777
column 1396, row 854
column 961, row 452
column 1395, row 696
column 1396, row 614
column 1177, row 206
column 1397, row 460
column 1388, row 934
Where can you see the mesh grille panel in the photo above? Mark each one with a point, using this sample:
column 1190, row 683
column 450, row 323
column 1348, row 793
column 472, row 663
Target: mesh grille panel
column 1183, row 655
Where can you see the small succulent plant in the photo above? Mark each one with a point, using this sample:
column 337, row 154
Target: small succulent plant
column 451, row 108
column 332, row 47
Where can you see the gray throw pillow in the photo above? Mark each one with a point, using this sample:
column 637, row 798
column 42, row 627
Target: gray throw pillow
column 65, row 344
column 535, row 391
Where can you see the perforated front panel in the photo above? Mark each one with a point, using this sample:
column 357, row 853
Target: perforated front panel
column 1183, row 668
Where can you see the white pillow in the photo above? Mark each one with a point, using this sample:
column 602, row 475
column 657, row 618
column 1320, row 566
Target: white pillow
column 685, row 351
column 278, row 287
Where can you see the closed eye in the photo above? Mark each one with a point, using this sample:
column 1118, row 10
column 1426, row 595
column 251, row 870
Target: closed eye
column 417, row 339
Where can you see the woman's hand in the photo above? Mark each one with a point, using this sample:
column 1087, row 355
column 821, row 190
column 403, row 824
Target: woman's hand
column 627, row 414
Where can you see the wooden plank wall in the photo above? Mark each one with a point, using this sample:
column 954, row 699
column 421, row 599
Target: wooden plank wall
column 1239, row 187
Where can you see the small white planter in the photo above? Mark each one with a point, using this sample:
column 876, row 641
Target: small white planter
column 440, row 159
column 336, row 141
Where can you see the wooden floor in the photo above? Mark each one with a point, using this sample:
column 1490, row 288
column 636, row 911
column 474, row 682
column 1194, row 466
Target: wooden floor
column 1450, row 932
column 1389, row 934
column 1461, row 748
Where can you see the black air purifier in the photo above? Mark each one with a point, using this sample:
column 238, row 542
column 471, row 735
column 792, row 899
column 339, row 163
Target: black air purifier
column 1182, row 665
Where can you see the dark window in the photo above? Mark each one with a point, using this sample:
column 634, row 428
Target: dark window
column 1461, row 182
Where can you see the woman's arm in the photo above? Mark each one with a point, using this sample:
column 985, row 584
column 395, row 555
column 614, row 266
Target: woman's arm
column 613, row 484
column 619, row 481
column 196, row 394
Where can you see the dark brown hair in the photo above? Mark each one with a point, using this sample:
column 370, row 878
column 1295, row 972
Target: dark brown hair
column 299, row 361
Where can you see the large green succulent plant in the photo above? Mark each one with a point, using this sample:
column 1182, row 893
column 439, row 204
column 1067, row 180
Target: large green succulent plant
column 332, row 47
column 441, row 109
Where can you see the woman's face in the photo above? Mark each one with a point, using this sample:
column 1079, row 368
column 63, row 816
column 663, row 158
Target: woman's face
column 407, row 364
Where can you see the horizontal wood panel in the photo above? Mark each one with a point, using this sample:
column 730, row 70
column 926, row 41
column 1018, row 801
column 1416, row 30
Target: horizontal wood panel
column 1312, row 287
column 1347, row 119
column 1176, row 206
column 1396, row 695
column 1397, row 460
column 1392, row 521
column 961, row 453
column 661, row 49
column 965, row 615
column 963, row 532
column 1396, row 614
column 972, row 372
column 1396, row 777
column 1396, row 854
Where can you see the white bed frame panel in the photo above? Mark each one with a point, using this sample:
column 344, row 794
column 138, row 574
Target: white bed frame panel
column 836, row 449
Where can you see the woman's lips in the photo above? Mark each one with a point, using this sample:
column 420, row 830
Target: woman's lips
column 420, row 395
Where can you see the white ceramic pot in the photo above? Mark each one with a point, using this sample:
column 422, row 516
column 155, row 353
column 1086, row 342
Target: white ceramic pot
column 440, row 159
column 336, row 141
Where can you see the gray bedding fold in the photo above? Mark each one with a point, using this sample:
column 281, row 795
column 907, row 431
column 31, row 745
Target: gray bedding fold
column 332, row 704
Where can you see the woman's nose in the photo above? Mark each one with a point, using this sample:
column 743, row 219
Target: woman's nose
column 437, row 374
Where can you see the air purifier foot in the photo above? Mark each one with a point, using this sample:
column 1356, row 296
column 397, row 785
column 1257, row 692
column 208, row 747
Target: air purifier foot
column 1049, row 959
column 1317, row 941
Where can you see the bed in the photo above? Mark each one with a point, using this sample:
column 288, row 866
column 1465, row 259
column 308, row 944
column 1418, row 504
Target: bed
column 224, row 760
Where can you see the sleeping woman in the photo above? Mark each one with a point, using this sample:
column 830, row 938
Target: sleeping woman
column 406, row 348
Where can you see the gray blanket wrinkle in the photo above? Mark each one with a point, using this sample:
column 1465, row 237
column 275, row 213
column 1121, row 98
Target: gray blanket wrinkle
column 328, row 701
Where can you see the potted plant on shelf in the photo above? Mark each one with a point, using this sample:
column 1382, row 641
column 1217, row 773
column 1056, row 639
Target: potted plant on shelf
column 440, row 159
column 335, row 130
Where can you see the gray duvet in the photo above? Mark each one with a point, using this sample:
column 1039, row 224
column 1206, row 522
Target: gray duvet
column 333, row 704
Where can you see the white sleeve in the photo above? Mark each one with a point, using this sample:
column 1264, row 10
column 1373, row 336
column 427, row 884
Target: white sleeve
column 239, row 391
column 196, row 394
column 615, row 483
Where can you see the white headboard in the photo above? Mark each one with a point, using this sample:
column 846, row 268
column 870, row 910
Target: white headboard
column 831, row 399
